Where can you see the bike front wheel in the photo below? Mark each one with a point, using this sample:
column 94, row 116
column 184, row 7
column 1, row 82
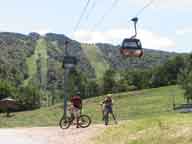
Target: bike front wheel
column 64, row 123
column 84, row 121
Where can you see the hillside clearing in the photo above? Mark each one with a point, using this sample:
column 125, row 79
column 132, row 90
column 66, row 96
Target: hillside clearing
column 40, row 54
column 96, row 59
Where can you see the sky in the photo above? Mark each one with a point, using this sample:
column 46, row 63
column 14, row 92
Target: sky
column 164, row 25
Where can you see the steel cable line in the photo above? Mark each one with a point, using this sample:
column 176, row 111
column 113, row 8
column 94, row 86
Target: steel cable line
column 115, row 2
column 141, row 10
column 81, row 16
column 91, row 9
column 144, row 7
column 79, row 20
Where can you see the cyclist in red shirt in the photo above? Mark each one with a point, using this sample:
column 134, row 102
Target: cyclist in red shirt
column 76, row 106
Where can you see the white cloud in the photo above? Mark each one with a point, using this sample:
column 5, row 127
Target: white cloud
column 3, row 28
column 183, row 31
column 149, row 39
column 42, row 31
column 156, row 41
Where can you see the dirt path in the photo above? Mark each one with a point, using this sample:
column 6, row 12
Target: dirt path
column 49, row 135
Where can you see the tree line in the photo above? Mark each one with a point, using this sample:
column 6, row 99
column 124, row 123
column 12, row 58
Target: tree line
column 177, row 70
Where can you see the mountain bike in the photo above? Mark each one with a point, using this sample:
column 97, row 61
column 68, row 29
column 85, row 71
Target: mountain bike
column 66, row 122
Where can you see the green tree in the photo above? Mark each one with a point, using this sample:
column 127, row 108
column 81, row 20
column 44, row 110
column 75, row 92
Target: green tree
column 77, row 82
column 7, row 89
column 109, row 81
column 173, row 67
column 185, row 79
column 30, row 97
column 167, row 73
column 138, row 78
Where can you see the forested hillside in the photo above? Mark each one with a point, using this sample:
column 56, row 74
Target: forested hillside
column 35, row 61
column 20, row 55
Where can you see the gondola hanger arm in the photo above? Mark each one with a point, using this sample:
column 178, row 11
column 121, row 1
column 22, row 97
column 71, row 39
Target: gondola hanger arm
column 135, row 20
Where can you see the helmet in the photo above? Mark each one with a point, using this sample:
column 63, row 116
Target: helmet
column 108, row 95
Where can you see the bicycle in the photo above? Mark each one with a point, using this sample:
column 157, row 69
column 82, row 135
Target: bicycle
column 66, row 122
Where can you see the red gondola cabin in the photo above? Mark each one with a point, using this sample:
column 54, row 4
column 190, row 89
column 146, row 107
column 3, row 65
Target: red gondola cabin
column 131, row 48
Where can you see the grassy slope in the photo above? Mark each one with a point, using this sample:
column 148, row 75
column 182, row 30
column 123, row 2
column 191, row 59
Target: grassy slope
column 94, row 56
column 128, row 106
column 31, row 61
column 42, row 51
column 173, row 129
column 139, row 104
column 151, row 120
column 148, row 116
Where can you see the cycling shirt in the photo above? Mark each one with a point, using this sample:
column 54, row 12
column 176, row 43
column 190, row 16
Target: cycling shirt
column 76, row 101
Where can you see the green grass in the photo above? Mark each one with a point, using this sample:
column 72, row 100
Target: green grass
column 42, row 117
column 136, row 105
column 173, row 129
column 149, row 119
column 96, row 59
column 39, row 53
column 145, row 117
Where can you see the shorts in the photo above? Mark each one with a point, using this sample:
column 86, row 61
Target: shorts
column 108, row 109
column 76, row 112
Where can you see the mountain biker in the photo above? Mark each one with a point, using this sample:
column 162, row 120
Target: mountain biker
column 108, row 108
column 76, row 106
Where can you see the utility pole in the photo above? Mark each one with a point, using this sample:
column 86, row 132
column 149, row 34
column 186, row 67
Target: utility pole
column 69, row 62
column 173, row 100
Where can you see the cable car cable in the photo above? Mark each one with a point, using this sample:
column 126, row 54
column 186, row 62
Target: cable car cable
column 91, row 8
column 102, row 18
column 144, row 7
column 142, row 10
column 81, row 16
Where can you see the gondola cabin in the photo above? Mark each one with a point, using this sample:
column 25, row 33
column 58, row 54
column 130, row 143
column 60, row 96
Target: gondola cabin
column 131, row 48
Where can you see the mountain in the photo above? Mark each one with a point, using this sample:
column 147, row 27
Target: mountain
column 34, row 58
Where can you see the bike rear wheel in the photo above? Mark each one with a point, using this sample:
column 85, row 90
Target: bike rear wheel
column 84, row 121
column 65, row 123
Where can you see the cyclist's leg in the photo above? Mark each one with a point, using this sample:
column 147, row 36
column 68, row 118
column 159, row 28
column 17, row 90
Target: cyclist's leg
column 103, row 112
column 111, row 112
column 106, row 116
column 72, row 114
column 77, row 115
column 77, row 122
column 114, row 118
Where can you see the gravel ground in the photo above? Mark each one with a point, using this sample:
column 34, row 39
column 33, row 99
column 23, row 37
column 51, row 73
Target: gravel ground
column 49, row 135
